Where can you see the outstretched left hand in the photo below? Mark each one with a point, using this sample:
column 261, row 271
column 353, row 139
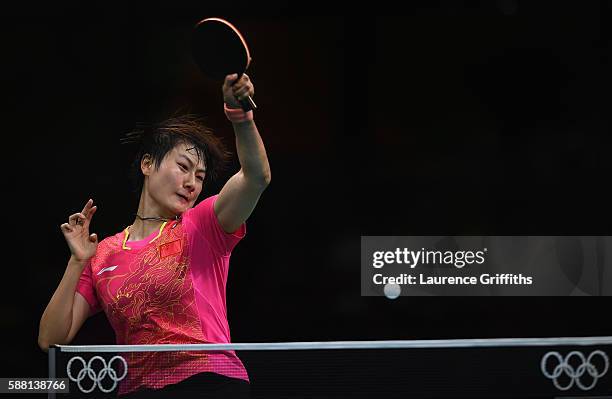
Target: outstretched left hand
column 235, row 90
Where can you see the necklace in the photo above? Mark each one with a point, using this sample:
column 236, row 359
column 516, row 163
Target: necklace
column 160, row 219
column 165, row 220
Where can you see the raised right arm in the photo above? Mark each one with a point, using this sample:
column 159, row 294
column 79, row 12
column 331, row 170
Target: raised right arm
column 67, row 310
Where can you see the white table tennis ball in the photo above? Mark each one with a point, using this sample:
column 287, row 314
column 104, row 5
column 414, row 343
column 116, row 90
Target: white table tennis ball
column 392, row 291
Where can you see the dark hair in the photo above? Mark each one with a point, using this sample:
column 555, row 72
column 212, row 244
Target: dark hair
column 160, row 138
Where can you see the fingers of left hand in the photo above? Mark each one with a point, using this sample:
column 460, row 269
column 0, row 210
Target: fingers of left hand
column 241, row 85
column 243, row 81
column 244, row 91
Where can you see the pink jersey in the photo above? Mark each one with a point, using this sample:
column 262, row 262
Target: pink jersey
column 167, row 289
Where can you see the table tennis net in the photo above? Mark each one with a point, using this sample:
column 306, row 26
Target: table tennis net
column 482, row 368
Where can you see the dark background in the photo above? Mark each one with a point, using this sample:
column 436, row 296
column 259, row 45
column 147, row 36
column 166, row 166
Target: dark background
column 453, row 118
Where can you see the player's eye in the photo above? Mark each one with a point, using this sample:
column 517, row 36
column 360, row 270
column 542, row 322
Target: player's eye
column 183, row 167
column 200, row 178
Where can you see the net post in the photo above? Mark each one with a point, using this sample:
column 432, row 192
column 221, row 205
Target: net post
column 52, row 374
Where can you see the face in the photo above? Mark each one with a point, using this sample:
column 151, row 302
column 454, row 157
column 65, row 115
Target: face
column 176, row 185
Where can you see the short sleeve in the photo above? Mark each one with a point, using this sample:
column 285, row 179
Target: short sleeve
column 86, row 288
column 206, row 223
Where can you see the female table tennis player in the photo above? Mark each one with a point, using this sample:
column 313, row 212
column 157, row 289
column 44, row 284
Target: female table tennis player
column 162, row 280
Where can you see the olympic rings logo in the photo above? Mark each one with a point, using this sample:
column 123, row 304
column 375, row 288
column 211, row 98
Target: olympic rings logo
column 88, row 371
column 575, row 374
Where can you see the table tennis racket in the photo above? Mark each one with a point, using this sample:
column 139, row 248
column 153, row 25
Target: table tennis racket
column 220, row 50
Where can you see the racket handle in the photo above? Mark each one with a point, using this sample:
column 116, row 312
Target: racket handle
column 248, row 104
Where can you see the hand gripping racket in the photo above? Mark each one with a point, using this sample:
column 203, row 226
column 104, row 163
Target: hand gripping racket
column 220, row 50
